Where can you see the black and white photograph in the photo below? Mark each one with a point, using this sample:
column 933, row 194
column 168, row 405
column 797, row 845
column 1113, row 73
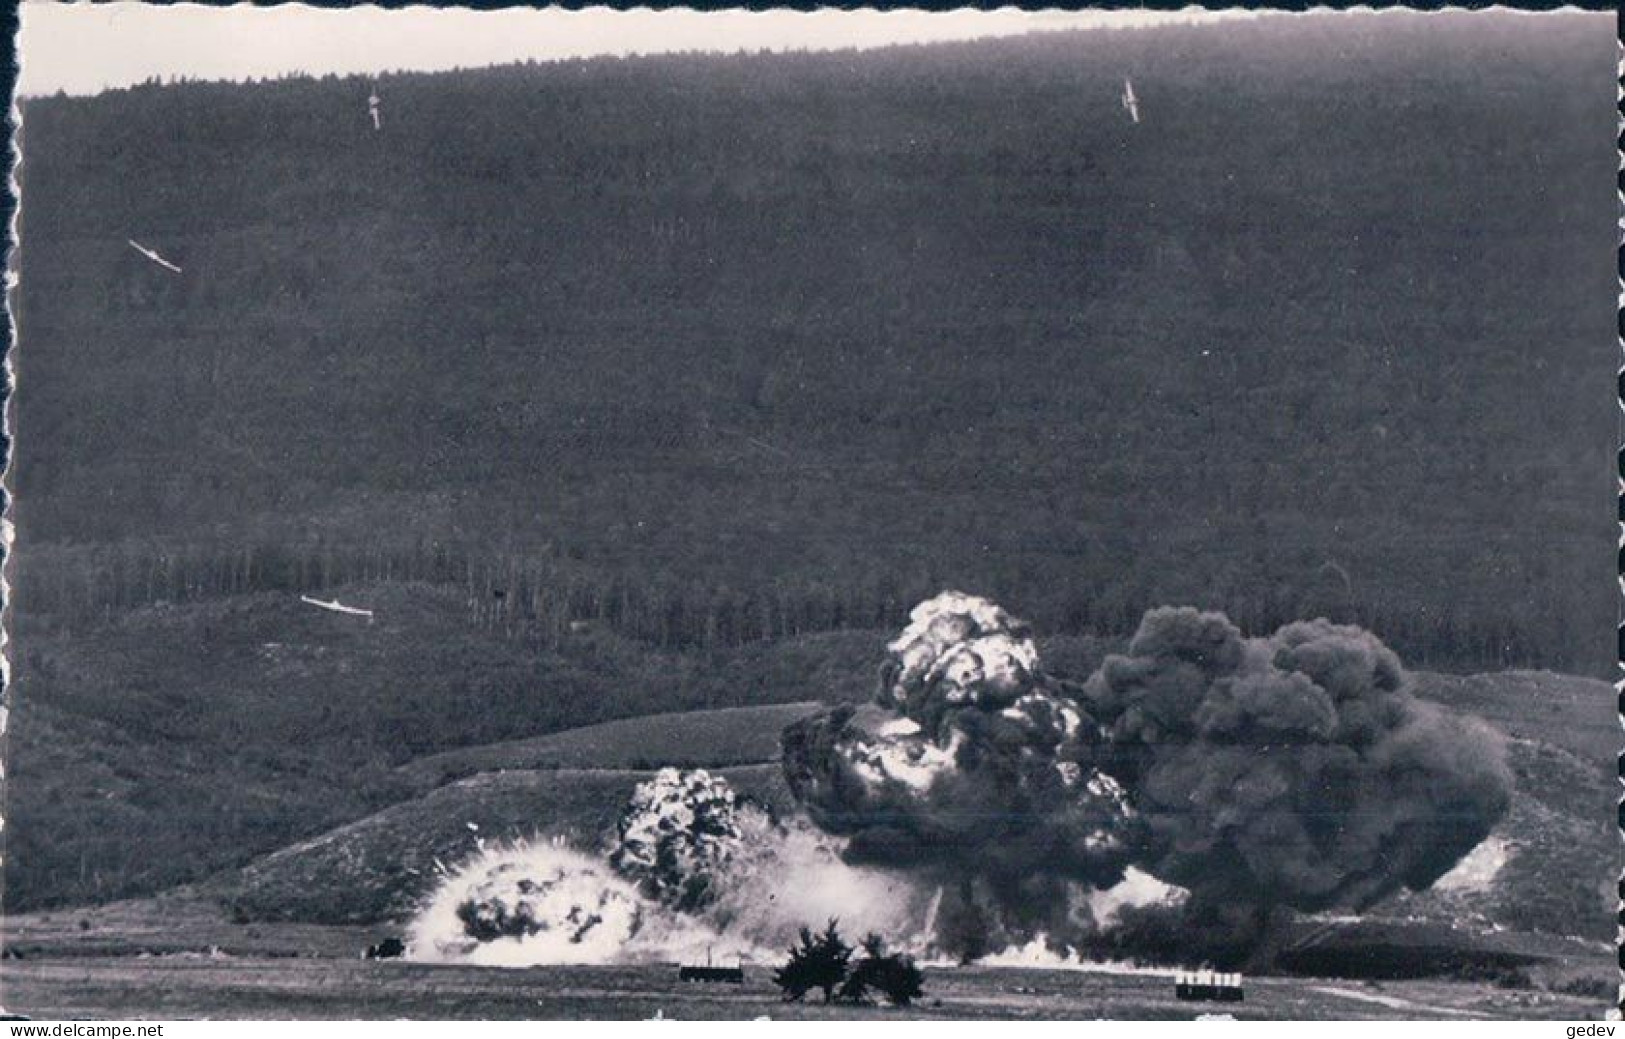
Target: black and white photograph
column 852, row 515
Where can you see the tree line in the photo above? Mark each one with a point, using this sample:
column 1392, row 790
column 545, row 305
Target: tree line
column 544, row 599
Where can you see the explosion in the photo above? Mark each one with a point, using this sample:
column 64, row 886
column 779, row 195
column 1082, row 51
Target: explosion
column 529, row 904
column 693, row 845
column 1177, row 803
column 681, row 832
column 693, row 869
column 1296, row 772
column 983, row 764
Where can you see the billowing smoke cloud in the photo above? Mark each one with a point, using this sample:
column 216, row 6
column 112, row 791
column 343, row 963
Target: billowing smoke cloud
column 693, row 870
column 1296, row 771
column 533, row 903
column 977, row 771
column 680, row 835
column 1293, row 772
column 979, row 759
column 692, row 844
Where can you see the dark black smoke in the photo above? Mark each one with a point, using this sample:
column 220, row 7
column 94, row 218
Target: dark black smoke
column 978, row 764
column 1293, row 773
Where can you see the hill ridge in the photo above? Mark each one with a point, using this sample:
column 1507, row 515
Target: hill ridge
column 864, row 262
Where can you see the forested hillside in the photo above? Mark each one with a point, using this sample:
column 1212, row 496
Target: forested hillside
column 732, row 346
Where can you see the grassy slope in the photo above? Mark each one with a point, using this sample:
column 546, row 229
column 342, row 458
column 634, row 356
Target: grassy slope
column 374, row 871
column 382, row 866
column 1556, row 881
column 277, row 723
column 1561, row 874
column 694, row 739
column 835, row 667
column 171, row 742
column 1578, row 715
column 167, row 743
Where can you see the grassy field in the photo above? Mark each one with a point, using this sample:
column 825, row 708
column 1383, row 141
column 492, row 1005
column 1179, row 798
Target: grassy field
column 180, row 956
column 193, row 987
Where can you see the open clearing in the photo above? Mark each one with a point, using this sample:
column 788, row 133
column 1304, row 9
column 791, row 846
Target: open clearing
column 187, row 987
column 177, row 958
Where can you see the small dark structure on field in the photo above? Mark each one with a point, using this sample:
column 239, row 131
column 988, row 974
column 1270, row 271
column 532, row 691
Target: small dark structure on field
column 1206, row 985
column 733, row 975
column 388, row 949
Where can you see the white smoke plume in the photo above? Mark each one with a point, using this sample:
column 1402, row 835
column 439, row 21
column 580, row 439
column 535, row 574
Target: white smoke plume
column 538, row 903
column 797, row 876
column 695, row 871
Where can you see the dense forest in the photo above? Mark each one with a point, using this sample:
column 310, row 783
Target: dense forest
column 716, row 348
column 620, row 386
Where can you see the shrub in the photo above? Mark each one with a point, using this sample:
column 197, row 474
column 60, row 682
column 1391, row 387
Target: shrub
column 817, row 962
column 894, row 976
